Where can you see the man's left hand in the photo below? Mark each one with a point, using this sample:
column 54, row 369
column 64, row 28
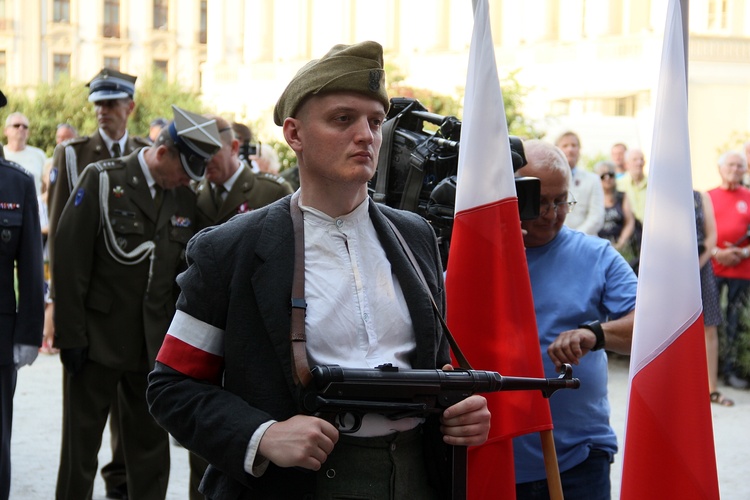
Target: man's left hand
column 466, row 423
column 570, row 346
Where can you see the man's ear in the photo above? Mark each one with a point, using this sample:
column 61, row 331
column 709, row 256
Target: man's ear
column 131, row 106
column 292, row 129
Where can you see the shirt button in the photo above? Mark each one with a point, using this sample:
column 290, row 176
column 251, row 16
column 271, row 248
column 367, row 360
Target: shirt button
column 339, row 223
column 393, row 446
column 331, row 473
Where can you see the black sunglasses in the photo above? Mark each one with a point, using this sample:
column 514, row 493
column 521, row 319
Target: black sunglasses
column 607, row 175
column 20, row 125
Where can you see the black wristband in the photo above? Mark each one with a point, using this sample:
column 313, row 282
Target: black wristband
column 595, row 327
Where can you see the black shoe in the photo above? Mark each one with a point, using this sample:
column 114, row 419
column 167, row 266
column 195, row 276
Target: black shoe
column 733, row 380
column 119, row 492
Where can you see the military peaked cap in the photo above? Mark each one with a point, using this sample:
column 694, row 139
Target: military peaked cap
column 111, row 84
column 196, row 139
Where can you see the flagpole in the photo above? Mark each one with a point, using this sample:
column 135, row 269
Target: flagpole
column 554, row 484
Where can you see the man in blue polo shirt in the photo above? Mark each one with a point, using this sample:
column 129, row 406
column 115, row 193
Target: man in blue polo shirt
column 584, row 299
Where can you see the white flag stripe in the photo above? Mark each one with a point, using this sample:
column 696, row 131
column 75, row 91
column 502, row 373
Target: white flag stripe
column 494, row 180
column 668, row 298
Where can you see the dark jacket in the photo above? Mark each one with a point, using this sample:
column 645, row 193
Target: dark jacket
column 79, row 153
column 115, row 308
column 249, row 192
column 240, row 280
column 21, row 320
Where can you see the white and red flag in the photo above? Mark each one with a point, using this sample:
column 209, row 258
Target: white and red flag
column 490, row 307
column 669, row 447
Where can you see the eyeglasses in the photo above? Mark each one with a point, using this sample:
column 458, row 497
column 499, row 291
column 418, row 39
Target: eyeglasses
column 564, row 207
column 607, row 175
column 20, row 125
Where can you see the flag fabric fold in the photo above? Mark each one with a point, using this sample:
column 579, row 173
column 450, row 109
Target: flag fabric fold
column 490, row 307
column 668, row 447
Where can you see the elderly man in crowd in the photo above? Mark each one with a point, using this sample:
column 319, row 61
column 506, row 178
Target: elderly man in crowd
column 17, row 149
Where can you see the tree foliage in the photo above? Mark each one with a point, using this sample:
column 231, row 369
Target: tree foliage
column 66, row 101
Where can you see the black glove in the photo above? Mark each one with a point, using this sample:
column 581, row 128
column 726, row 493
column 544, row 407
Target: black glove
column 73, row 359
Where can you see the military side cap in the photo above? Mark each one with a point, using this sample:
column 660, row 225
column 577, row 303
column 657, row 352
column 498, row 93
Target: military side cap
column 352, row 68
column 196, row 139
column 111, row 84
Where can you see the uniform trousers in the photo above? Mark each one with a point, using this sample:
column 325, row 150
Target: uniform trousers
column 376, row 468
column 7, row 389
column 87, row 396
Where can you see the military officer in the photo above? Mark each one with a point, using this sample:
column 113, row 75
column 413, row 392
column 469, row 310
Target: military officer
column 122, row 238
column 112, row 93
column 20, row 319
column 230, row 186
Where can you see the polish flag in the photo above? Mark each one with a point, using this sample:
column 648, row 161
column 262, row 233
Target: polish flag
column 669, row 447
column 490, row 307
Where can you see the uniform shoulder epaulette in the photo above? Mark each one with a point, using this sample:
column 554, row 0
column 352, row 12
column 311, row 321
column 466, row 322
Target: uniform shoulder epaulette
column 109, row 164
column 142, row 141
column 15, row 166
column 271, row 177
column 75, row 141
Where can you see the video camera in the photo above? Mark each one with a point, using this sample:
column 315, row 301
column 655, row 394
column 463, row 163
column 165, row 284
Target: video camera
column 248, row 149
column 417, row 168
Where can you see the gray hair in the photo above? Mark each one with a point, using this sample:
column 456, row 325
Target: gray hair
column 14, row 115
column 605, row 164
column 546, row 156
column 723, row 158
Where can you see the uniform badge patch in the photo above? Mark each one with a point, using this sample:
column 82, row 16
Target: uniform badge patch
column 118, row 191
column 243, row 208
column 122, row 242
column 79, row 197
column 9, row 206
column 53, row 175
column 178, row 221
column 5, row 235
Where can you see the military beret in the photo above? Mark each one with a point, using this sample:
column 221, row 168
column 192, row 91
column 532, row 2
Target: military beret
column 353, row 68
column 196, row 139
column 3, row 99
column 111, row 84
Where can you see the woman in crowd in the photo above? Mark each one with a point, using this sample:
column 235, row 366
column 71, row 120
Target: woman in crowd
column 619, row 221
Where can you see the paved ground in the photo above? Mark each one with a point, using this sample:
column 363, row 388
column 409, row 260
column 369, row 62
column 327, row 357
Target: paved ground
column 36, row 436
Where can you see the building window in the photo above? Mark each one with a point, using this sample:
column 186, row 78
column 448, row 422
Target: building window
column 3, row 66
column 111, row 19
column 718, row 14
column 61, row 66
column 112, row 63
column 61, row 11
column 160, row 14
column 203, row 32
column 160, row 68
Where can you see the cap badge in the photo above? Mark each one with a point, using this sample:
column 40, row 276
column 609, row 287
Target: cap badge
column 374, row 83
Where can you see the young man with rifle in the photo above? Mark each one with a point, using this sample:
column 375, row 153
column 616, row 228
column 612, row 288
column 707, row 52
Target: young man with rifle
column 226, row 383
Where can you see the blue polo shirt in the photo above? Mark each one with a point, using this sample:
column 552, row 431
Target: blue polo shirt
column 575, row 278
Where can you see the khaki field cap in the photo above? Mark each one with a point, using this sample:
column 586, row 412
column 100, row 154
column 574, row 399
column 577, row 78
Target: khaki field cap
column 352, row 68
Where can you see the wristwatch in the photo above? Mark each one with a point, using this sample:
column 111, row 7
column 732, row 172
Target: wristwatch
column 595, row 327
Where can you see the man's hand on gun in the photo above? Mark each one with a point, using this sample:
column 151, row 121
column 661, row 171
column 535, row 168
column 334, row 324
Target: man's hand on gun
column 301, row 441
column 466, row 423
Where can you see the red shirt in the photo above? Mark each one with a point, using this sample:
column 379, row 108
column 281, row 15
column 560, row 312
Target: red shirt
column 732, row 214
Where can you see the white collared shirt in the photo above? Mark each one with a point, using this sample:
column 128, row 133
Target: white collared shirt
column 147, row 173
column 109, row 142
column 229, row 183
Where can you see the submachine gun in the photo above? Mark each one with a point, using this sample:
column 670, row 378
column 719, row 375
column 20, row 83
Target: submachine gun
column 386, row 390
column 417, row 168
